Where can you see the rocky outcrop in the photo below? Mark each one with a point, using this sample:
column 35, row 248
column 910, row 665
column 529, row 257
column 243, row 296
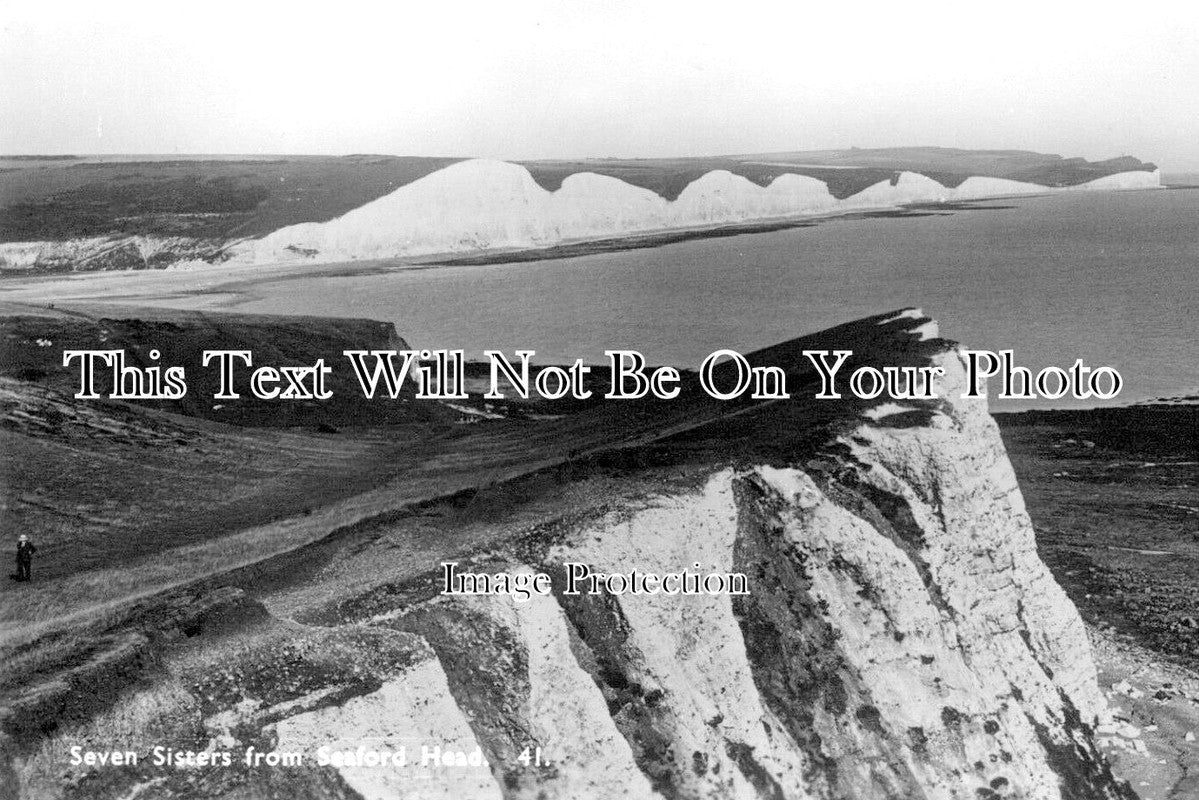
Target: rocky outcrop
column 901, row 639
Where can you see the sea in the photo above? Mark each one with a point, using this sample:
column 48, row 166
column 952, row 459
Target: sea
column 1108, row 277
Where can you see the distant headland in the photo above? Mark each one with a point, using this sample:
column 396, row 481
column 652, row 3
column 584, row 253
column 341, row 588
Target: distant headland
column 86, row 213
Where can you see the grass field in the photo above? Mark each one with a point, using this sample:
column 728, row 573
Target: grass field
column 221, row 199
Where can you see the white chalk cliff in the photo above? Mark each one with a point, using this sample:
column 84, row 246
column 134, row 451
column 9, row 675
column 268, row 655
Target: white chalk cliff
column 482, row 205
column 901, row 640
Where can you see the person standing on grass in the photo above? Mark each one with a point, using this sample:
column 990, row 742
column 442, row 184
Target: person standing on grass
column 25, row 551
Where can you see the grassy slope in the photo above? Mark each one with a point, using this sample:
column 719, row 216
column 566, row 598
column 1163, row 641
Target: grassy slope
column 103, row 483
column 220, row 198
column 313, row 484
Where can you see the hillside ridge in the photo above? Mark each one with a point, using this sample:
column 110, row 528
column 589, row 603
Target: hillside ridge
column 71, row 215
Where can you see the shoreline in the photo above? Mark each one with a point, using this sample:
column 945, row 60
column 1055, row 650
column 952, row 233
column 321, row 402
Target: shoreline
column 668, row 236
column 569, row 248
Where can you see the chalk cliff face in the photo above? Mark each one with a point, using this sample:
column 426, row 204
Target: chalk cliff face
column 901, row 639
column 481, row 205
column 488, row 205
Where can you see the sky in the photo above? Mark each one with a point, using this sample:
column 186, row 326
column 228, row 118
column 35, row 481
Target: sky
column 525, row 80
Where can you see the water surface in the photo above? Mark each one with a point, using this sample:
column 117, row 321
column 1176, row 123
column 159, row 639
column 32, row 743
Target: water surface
column 1112, row 278
column 1109, row 277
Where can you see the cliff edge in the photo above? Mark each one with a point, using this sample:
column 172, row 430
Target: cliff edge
column 900, row 637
